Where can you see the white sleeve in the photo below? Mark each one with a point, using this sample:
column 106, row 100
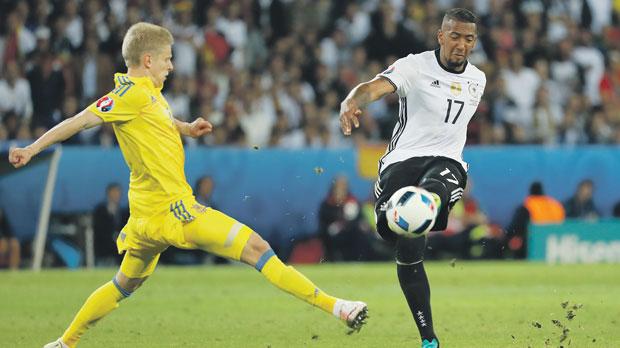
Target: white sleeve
column 402, row 74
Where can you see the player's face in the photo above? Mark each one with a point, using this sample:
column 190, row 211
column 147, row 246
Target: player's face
column 456, row 40
column 161, row 65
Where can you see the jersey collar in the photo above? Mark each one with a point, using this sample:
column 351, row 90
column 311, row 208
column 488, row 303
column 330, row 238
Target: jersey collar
column 446, row 68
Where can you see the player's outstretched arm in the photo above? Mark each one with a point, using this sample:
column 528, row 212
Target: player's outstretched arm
column 19, row 157
column 196, row 129
column 360, row 96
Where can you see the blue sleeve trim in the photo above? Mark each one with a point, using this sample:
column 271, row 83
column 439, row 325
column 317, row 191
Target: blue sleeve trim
column 120, row 289
column 263, row 259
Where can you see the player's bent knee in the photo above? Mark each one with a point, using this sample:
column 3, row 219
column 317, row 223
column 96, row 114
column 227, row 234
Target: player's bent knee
column 254, row 249
column 127, row 285
column 258, row 244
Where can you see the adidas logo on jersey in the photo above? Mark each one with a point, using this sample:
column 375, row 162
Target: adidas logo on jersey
column 435, row 84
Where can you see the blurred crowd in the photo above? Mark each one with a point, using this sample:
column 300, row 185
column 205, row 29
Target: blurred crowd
column 347, row 229
column 273, row 72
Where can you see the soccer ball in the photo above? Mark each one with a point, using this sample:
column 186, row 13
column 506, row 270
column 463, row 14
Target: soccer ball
column 411, row 212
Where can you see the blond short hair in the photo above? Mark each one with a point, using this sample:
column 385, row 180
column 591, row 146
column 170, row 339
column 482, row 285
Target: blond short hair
column 144, row 38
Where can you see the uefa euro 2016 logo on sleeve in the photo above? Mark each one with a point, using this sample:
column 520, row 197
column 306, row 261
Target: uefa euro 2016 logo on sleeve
column 105, row 104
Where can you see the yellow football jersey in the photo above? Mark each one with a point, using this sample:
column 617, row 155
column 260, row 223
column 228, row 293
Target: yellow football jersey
column 150, row 142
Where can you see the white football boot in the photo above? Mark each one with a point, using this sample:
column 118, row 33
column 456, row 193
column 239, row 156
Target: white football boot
column 56, row 344
column 353, row 313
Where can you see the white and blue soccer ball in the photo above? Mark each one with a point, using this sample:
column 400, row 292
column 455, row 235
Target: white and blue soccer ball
column 411, row 212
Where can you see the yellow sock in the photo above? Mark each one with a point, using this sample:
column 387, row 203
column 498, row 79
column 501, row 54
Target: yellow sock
column 101, row 302
column 290, row 280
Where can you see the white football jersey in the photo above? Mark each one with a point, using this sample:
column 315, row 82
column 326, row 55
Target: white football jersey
column 435, row 108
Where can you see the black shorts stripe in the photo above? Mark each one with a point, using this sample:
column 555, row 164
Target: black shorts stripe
column 377, row 189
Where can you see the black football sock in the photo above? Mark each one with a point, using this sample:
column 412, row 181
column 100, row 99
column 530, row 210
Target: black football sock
column 415, row 286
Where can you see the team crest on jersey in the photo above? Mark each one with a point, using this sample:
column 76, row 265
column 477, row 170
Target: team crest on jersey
column 475, row 92
column 455, row 88
column 153, row 100
column 389, row 69
column 105, row 104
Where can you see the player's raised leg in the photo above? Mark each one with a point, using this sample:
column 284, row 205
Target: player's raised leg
column 134, row 270
column 218, row 233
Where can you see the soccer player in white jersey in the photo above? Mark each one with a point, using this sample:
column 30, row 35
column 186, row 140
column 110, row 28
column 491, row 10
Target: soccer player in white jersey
column 439, row 92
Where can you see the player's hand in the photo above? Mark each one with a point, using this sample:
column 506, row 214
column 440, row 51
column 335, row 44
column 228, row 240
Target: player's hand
column 199, row 127
column 19, row 157
column 349, row 113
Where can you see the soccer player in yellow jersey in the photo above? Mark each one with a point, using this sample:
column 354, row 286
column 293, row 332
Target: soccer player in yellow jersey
column 163, row 209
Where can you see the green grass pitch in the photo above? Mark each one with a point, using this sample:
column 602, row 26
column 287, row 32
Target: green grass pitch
column 476, row 304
